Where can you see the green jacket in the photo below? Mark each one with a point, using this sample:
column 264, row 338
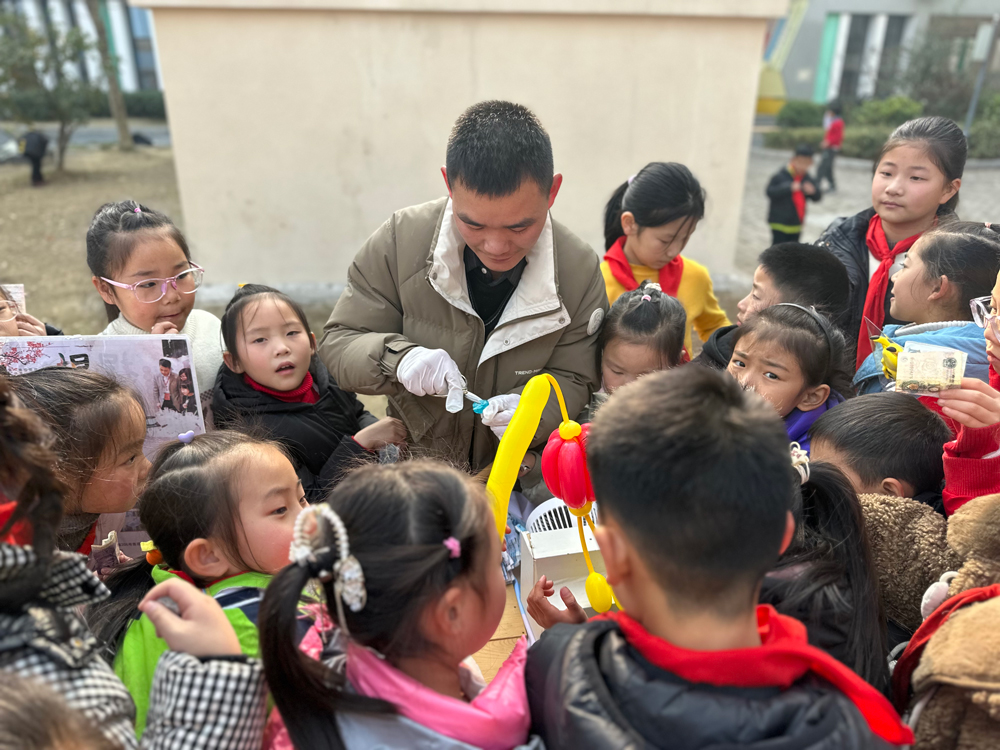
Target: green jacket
column 407, row 287
column 135, row 662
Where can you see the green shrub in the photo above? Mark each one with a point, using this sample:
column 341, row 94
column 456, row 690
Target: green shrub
column 984, row 140
column 893, row 111
column 801, row 114
column 789, row 138
column 147, row 104
column 865, row 141
column 989, row 108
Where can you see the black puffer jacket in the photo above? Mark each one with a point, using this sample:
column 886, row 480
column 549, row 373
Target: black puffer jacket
column 319, row 436
column 718, row 350
column 588, row 689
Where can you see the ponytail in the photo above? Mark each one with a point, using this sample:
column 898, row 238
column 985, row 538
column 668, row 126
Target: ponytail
column 660, row 193
column 831, row 549
column 306, row 692
column 110, row 618
column 646, row 316
column 414, row 529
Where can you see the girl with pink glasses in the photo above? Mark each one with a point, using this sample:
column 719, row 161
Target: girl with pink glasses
column 142, row 269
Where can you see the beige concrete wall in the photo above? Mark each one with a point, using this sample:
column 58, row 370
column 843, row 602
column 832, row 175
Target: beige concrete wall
column 298, row 131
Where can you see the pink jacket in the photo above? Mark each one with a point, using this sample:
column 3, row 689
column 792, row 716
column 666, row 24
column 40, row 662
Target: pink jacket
column 497, row 717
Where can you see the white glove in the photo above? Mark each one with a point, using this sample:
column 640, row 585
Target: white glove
column 432, row 372
column 499, row 411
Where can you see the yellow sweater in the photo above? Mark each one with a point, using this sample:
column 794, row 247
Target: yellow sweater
column 695, row 293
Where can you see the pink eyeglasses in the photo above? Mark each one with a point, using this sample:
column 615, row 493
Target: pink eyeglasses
column 153, row 290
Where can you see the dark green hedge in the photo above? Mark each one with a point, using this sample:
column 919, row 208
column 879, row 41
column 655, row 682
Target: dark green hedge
column 865, row 141
column 34, row 105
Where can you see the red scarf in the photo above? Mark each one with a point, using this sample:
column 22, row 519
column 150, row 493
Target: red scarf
column 915, row 648
column 21, row 532
column 798, row 197
column 670, row 274
column 874, row 310
column 304, row 394
column 783, row 657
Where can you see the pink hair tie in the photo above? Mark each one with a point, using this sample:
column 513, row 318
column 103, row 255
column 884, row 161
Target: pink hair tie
column 454, row 547
column 646, row 298
column 137, row 210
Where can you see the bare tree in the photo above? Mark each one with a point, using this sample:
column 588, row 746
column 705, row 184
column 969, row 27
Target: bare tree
column 115, row 99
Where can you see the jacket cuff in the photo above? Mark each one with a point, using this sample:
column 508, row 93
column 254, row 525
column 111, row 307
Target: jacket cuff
column 354, row 446
column 217, row 703
column 393, row 354
column 974, row 442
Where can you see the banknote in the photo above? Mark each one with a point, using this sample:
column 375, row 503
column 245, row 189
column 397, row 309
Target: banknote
column 929, row 371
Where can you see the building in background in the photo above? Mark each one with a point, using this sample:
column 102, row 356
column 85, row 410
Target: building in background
column 131, row 36
column 857, row 49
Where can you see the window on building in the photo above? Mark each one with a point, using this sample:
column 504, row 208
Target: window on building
column 854, row 56
column 892, row 51
column 142, row 44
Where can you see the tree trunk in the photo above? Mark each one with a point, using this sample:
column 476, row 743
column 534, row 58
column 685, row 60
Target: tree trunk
column 62, row 142
column 115, row 98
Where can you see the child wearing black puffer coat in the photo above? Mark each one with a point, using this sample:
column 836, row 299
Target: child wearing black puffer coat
column 691, row 660
column 272, row 381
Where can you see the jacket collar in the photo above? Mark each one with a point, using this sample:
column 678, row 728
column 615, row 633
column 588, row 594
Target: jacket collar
column 535, row 309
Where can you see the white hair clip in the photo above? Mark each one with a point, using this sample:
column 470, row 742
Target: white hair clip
column 343, row 567
column 800, row 461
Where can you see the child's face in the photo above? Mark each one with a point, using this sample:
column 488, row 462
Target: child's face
column 992, row 342
column 762, row 295
column 8, row 323
column 911, row 288
column 155, row 256
column 654, row 247
column 774, row 373
column 271, row 498
column 623, row 361
column 275, row 349
column 120, row 476
column 801, row 164
column 909, row 187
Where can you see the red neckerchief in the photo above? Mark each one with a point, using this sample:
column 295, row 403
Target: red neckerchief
column 304, row 394
column 783, row 657
column 874, row 310
column 908, row 662
column 88, row 543
column 670, row 274
column 798, row 197
column 21, row 532
column 994, row 379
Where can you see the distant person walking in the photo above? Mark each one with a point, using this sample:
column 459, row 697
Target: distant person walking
column 787, row 191
column 34, row 145
column 833, row 139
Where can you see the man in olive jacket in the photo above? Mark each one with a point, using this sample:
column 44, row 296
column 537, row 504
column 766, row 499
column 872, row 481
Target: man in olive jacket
column 481, row 290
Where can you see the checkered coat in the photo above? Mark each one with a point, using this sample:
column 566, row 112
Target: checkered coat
column 215, row 703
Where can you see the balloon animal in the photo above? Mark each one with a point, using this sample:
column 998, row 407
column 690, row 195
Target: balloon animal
column 564, row 469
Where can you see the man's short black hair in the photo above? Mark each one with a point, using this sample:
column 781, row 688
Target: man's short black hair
column 887, row 435
column 808, row 275
column 495, row 146
column 166, row 363
column 804, row 149
column 697, row 472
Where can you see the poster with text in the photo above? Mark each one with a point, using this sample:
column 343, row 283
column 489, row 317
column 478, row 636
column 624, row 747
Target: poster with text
column 157, row 368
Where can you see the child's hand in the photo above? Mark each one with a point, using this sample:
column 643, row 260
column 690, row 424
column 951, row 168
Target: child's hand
column 200, row 628
column 545, row 613
column 382, row 433
column 974, row 405
column 28, row 325
column 808, row 188
column 164, row 327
